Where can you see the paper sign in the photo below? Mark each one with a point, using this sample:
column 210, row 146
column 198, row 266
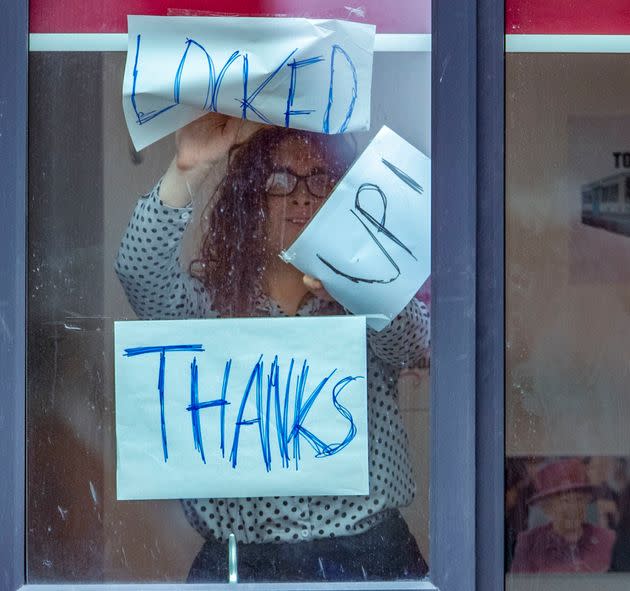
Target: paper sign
column 241, row 407
column 370, row 243
column 309, row 74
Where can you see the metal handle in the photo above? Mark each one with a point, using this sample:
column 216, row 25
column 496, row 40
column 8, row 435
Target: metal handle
column 232, row 560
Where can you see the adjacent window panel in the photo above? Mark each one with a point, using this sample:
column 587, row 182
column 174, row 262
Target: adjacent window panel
column 568, row 319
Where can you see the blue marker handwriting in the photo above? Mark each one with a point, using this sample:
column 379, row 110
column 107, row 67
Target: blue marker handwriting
column 271, row 385
column 286, row 72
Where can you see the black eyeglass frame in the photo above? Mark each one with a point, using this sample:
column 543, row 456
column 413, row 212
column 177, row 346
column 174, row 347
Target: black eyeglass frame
column 300, row 177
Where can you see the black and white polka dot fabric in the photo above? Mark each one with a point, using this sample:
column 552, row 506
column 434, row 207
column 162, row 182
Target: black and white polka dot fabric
column 157, row 288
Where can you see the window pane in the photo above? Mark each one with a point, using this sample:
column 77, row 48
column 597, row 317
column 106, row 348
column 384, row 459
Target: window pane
column 85, row 181
column 567, row 326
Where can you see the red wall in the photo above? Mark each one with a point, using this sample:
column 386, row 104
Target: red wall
column 410, row 16
column 110, row 16
column 565, row 17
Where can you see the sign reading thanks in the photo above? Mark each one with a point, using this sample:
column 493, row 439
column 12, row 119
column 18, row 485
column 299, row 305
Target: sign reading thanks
column 241, row 407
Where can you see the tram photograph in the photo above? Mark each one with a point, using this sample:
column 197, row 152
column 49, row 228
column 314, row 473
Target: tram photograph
column 606, row 203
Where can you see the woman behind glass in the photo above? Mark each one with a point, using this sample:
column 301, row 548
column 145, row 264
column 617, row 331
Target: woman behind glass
column 275, row 182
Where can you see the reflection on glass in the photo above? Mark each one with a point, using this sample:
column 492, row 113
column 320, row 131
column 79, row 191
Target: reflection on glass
column 568, row 319
column 85, row 180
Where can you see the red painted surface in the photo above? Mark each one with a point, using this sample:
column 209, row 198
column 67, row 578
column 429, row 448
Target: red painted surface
column 567, row 17
column 542, row 17
column 110, row 16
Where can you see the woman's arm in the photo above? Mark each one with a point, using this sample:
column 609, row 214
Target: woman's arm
column 405, row 341
column 148, row 259
column 199, row 147
column 402, row 343
column 148, row 263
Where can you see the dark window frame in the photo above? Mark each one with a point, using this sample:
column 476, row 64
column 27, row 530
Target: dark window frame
column 467, row 378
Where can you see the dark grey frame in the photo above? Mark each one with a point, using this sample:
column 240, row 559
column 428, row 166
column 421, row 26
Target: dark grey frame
column 490, row 305
column 467, row 380
column 13, row 162
column 467, row 385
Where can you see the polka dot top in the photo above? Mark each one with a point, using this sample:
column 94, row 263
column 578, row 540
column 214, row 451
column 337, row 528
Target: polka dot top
column 158, row 288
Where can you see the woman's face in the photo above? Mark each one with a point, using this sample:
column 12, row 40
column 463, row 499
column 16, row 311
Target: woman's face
column 567, row 513
column 298, row 186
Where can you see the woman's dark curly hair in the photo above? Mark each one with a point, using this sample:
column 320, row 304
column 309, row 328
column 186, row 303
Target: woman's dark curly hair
column 231, row 261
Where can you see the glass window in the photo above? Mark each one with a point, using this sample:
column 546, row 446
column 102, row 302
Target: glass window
column 107, row 242
column 568, row 300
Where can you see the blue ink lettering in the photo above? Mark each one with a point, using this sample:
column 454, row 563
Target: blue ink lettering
column 246, row 102
column 162, row 350
column 295, row 65
column 254, row 378
column 285, row 434
column 219, row 80
column 355, row 85
column 212, row 90
column 264, row 433
column 338, row 388
column 282, row 418
column 195, row 406
column 180, row 70
column 301, row 410
column 299, row 393
column 142, row 117
column 215, row 81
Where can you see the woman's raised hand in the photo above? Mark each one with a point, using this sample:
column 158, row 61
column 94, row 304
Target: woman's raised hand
column 199, row 146
column 205, row 141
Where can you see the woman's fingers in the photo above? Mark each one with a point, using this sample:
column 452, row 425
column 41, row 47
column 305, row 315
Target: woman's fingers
column 316, row 287
column 312, row 284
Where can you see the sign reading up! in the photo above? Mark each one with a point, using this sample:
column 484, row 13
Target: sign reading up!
column 370, row 242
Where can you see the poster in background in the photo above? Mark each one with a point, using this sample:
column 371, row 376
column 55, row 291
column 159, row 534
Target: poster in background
column 596, row 494
column 599, row 198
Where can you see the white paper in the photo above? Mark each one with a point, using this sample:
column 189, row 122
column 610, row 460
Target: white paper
column 370, row 243
column 163, row 459
column 309, row 74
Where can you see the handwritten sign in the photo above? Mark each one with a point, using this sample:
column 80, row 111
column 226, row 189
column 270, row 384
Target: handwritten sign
column 309, row 74
column 241, row 407
column 370, row 243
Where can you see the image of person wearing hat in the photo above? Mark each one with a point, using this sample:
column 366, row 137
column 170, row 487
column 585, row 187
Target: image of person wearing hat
column 568, row 543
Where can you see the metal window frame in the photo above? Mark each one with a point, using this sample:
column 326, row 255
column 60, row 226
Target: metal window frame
column 467, row 378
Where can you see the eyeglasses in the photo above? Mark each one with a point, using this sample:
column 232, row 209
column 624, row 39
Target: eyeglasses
column 281, row 183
